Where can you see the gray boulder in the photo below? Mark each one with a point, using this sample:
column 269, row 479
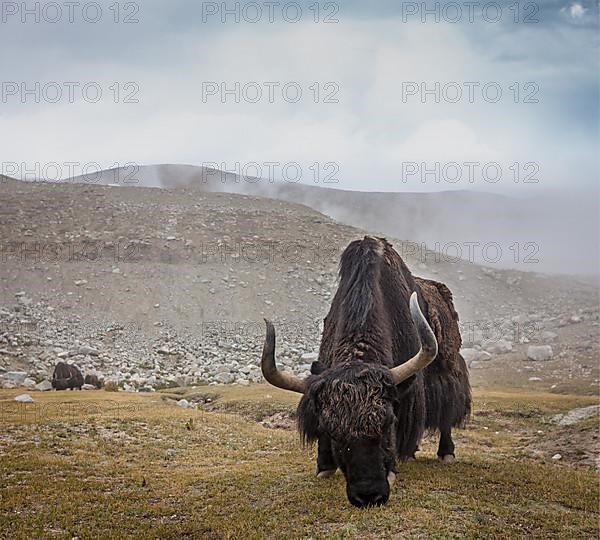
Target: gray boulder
column 12, row 379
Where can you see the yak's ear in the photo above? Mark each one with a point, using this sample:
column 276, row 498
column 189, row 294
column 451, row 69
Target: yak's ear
column 317, row 368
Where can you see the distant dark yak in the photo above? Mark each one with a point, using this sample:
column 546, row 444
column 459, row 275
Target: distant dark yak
column 66, row 376
column 93, row 380
column 385, row 375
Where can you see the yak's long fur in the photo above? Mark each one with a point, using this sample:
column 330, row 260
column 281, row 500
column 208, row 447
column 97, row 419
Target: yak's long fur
column 447, row 388
column 369, row 322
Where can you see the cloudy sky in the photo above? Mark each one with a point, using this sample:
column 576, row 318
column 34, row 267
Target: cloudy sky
column 385, row 96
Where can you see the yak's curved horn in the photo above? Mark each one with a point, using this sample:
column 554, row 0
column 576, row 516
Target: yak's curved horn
column 281, row 379
column 429, row 347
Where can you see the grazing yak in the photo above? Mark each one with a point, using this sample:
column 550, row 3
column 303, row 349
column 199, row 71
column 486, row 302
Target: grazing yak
column 385, row 375
column 93, row 380
column 66, row 376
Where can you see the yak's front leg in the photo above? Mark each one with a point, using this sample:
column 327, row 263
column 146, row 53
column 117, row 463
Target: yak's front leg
column 326, row 466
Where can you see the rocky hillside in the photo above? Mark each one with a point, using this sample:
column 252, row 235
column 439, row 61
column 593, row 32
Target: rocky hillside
column 536, row 229
column 156, row 287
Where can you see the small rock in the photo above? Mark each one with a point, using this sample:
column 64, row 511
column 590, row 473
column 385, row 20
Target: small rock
column 85, row 350
column 547, row 335
column 224, row 378
column 556, row 457
column 501, row 346
column 475, row 365
column 29, row 384
column 576, row 415
column 88, row 387
column 520, row 319
column 183, row 403
column 44, row 386
column 474, row 355
column 539, row 353
column 24, row 398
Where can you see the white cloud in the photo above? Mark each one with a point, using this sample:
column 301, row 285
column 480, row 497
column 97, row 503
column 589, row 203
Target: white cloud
column 369, row 133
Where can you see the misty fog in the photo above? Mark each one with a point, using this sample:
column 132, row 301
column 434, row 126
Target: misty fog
column 551, row 231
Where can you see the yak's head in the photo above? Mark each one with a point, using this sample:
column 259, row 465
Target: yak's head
column 351, row 407
column 61, row 384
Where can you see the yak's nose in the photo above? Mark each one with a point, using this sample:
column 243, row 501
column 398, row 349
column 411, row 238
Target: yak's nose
column 372, row 497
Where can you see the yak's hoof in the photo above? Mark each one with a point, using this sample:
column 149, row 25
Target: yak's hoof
column 325, row 474
column 391, row 478
column 448, row 458
column 407, row 459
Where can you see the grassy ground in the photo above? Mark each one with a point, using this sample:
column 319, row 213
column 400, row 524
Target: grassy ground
column 115, row 465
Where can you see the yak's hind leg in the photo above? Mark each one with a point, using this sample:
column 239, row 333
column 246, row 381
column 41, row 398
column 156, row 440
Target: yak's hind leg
column 326, row 466
column 446, row 447
column 448, row 406
column 447, row 388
